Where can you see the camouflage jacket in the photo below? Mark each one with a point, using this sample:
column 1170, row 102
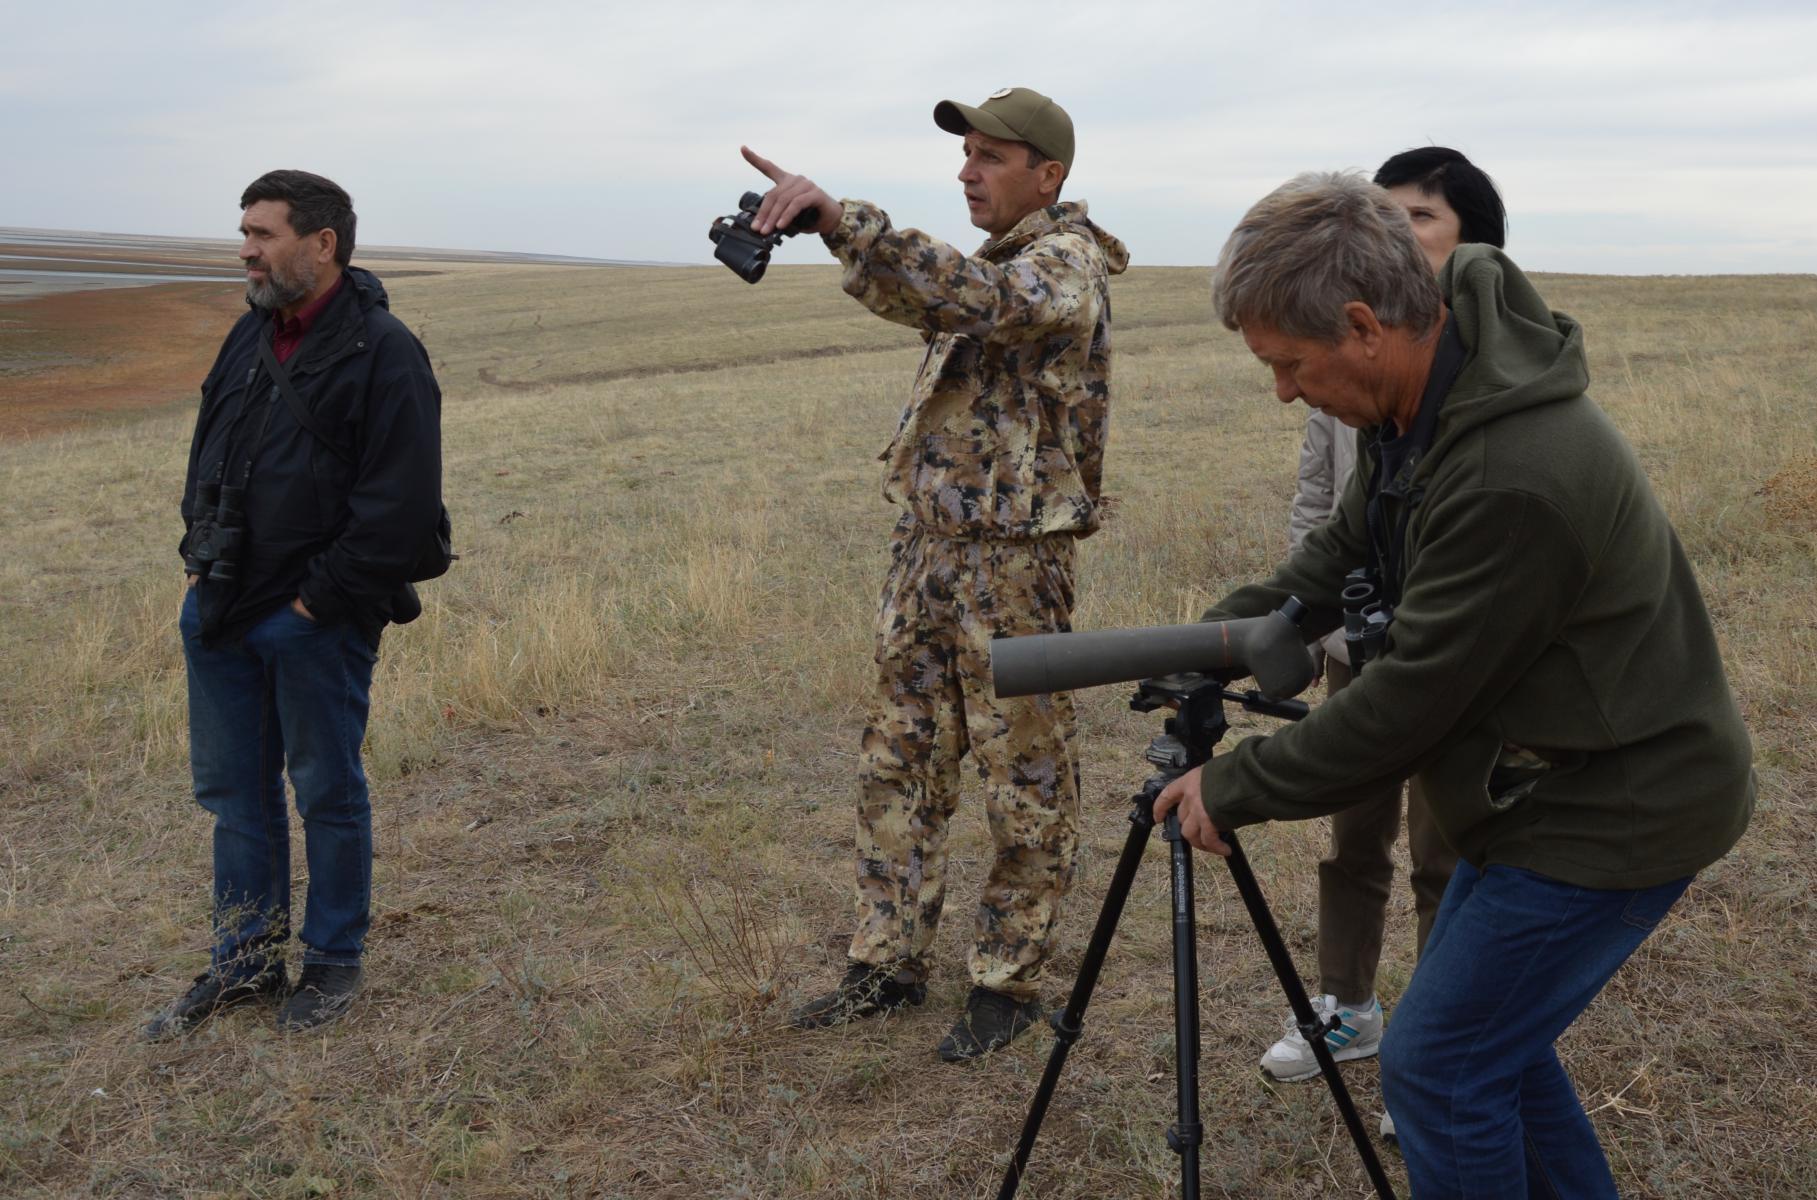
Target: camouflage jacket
column 1004, row 435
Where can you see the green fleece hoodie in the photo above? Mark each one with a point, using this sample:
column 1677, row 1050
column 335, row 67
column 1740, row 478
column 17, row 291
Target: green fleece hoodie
column 1549, row 623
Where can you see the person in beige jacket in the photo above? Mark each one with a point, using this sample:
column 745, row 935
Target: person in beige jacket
column 996, row 465
column 1450, row 201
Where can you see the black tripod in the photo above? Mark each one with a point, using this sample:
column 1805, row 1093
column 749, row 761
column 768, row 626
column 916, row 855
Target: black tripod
column 1190, row 734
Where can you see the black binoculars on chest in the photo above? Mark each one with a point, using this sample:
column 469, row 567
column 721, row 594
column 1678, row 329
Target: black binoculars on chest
column 213, row 549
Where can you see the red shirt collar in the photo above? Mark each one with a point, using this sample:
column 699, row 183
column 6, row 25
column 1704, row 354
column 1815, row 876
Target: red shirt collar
column 287, row 335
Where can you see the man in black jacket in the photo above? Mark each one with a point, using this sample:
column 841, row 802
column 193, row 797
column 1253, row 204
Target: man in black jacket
column 304, row 516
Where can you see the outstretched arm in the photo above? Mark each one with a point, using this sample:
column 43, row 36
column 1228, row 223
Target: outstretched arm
column 913, row 279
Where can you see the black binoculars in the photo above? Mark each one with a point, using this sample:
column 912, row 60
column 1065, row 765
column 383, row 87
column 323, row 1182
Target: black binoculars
column 213, row 551
column 1366, row 617
column 744, row 250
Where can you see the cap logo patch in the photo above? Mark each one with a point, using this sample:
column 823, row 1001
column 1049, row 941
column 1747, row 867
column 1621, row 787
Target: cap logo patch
column 1000, row 93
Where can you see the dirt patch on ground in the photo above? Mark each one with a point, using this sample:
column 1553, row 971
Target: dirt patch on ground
column 79, row 357
column 1791, row 494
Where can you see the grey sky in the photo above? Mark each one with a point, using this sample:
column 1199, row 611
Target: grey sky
column 1626, row 138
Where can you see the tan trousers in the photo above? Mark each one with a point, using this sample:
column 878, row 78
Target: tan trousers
column 943, row 602
column 1355, row 878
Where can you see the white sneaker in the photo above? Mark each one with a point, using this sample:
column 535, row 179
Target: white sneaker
column 1358, row 1035
column 1388, row 1128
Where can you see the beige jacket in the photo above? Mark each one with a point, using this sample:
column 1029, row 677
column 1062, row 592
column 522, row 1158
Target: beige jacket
column 1003, row 437
column 1327, row 461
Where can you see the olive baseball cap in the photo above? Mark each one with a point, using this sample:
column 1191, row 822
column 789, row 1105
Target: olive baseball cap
column 1019, row 114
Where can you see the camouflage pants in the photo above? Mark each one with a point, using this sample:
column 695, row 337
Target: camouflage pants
column 942, row 603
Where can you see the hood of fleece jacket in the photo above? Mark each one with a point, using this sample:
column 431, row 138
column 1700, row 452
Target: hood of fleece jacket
column 1521, row 354
column 1045, row 220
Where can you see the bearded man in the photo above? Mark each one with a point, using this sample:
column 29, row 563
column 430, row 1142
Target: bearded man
column 314, row 482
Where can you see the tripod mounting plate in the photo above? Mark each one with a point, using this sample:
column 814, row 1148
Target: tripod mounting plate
column 1167, row 691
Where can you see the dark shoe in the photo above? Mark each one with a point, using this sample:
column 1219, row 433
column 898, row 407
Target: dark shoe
column 866, row 991
column 991, row 1021
column 323, row 994
column 210, row 994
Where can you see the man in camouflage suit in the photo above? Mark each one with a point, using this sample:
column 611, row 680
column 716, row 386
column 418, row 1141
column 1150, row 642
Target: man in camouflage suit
column 997, row 461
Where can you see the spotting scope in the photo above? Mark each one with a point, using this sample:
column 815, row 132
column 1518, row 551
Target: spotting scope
column 1269, row 648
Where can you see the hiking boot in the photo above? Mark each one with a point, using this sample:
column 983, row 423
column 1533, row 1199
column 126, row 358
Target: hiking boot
column 866, row 991
column 1358, row 1034
column 991, row 1020
column 324, row 993
column 210, row 994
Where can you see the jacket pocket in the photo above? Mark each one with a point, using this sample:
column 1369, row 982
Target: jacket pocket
column 331, row 478
column 951, row 484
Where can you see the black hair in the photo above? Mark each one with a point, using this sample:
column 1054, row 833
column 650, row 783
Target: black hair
column 1440, row 170
column 315, row 203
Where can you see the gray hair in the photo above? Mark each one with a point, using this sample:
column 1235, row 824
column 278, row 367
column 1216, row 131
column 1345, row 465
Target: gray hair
column 1314, row 244
column 316, row 203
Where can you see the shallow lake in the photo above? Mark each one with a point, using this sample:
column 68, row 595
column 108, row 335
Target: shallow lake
column 16, row 283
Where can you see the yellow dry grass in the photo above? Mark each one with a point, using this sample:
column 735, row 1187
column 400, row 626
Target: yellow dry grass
column 613, row 769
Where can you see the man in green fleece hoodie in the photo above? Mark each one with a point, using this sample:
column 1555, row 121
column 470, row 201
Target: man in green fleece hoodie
column 1550, row 671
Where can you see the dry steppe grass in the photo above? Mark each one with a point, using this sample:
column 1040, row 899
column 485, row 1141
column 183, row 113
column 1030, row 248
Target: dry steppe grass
column 612, row 780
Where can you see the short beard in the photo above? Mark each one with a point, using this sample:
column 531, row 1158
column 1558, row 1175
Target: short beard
column 282, row 288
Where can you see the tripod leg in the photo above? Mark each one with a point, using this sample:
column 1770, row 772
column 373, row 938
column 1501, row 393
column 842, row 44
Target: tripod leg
column 1069, row 1021
column 1186, row 1136
column 1310, row 1027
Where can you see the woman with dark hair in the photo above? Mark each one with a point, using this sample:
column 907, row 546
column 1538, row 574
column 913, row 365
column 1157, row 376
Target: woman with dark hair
column 1449, row 201
column 1447, row 197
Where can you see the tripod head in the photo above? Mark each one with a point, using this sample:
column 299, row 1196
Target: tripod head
column 1197, row 725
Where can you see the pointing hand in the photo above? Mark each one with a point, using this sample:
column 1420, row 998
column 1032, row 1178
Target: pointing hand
column 792, row 194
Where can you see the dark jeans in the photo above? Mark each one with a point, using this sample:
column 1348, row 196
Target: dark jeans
column 1356, row 877
column 1481, row 1105
column 290, row 694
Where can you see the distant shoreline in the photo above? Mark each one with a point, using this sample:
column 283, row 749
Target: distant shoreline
column 42, row 262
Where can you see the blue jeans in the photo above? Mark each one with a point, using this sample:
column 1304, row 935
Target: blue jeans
column 290, row 693
column 1481, row 1105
